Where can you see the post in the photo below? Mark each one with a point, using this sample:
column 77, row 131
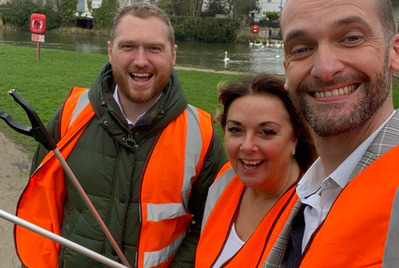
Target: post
column 38, row 51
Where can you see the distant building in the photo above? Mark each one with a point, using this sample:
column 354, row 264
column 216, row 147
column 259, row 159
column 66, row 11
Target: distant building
column 83, row 10
column 267, row 6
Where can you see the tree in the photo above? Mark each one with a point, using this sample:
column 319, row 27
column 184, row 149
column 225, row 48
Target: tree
column 243, row 7
column 167, row 7
column 217, row 7
column 67, row 12
column 273, row 16
column 236, row 8
column 104, row 15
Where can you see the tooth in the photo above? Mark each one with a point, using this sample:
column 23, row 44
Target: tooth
column 317, row 95
column 335, row 92
column 341, row 92
column 346, row 92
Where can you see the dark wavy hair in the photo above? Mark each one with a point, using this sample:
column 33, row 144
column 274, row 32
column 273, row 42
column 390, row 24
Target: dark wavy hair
column 268, row 84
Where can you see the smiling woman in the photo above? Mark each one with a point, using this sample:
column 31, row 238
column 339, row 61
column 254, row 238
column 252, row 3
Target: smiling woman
column 269, row 147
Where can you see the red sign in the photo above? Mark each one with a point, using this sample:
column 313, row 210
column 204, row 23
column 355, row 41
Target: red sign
column 38, row 23
column 38, row 38
column 255, row 28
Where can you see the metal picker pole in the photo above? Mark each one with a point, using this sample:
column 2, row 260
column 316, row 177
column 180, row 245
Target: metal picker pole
column 82, row 193
column 65, row 242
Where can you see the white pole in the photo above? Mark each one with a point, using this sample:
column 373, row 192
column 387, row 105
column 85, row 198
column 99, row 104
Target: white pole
column 59, row 239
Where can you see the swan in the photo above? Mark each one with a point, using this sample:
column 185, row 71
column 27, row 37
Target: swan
column 225, row 57
column 277, row 45
column 251, row 44
column 258, row 45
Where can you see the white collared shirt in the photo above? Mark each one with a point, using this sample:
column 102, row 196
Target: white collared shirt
column 130, row 123
column 319, row 192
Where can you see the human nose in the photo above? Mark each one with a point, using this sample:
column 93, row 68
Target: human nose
column 248, row 145
column 140, row 58
column 326, row 63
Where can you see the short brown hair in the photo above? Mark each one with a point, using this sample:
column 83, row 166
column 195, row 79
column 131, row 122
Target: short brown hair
column 143, row 10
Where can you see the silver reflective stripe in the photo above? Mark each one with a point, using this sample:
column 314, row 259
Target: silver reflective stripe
column 159, row 212
column 82, row 102
column 192, row 153
column 215, row 191
column 154, row 258
column 391, row 251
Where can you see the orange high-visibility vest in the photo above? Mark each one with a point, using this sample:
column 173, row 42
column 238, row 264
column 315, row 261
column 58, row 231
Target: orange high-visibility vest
column 180, row 150
column 361, row 229
column 41, row 202
column 225, row 195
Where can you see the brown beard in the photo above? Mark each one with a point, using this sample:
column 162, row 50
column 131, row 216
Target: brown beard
column 327, row 121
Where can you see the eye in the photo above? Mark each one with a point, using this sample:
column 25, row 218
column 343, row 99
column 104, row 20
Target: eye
column 299, row 52
column 353, row 40
column 126, row 47
column 234, row 130
column 155, row 49
column 265, row 132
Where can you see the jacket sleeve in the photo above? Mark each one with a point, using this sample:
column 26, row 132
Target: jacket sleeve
column 215, row 159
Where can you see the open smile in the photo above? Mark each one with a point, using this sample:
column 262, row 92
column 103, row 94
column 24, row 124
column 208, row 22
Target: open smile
column 251, row 164
column 336, row 92
column 141, row 77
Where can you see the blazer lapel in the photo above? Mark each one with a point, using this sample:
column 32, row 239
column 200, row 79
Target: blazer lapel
column 276, row 256
column 387, row 139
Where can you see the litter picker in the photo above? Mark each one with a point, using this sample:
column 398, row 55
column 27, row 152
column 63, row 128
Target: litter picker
column 39, row 132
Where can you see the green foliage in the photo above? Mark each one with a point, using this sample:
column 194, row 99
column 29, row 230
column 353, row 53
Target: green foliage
column 209, row 30
column 217, row 7
column 67, row 12
column 396, row 91
column 243, row 7
column 103, row 16
column 167, row 7
column 273, row 16
column 20, row 17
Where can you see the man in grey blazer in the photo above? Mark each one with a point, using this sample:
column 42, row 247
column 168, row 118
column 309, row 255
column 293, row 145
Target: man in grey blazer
column 339, row 60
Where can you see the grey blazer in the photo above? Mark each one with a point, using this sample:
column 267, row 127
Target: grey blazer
column 387, row 139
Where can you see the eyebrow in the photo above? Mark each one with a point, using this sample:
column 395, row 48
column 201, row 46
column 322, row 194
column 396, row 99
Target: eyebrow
column 261, row 124
column 340, row 22
column 350, row 20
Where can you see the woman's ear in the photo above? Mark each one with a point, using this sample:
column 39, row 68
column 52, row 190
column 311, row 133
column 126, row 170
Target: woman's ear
column 293, row 146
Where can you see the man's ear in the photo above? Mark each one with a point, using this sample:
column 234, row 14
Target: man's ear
column 286, row 79
column 394, row 54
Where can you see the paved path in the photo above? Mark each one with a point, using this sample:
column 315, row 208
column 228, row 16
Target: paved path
column 14, row 169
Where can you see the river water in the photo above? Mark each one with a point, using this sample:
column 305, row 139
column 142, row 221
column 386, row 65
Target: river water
column 243, row 58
